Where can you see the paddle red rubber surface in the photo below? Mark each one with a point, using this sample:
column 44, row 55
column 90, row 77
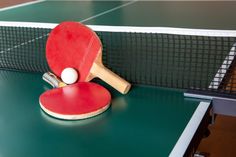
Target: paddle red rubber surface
column 77, row 101
column 72, row 44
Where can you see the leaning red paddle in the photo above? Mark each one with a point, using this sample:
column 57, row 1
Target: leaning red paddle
column 72, row 44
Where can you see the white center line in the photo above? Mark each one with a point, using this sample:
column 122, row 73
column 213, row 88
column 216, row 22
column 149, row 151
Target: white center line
column 108, row 11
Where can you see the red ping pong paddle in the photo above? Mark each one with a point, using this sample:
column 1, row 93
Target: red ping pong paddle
column 78, row 101
column 72, row 44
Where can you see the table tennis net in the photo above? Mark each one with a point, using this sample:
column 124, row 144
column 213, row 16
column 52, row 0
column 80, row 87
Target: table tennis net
column 202, row 60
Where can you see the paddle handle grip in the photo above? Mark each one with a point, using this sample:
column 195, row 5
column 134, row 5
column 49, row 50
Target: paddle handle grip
column 111, row 78
column 53, row 80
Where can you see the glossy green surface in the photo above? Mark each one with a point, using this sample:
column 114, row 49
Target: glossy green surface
column 193, row 14
column 57, row 11
column 206, row 15
column 145, row 122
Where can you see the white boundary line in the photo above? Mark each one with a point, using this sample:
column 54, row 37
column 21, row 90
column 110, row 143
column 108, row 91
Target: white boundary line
column 166, row 30
column 207, row 97
column 21, row 5
column 189, row 131
column 28, row 24
column 133, row 29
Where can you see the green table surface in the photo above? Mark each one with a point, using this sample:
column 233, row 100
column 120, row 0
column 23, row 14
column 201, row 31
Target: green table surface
column 204, row 15
column 146, row 122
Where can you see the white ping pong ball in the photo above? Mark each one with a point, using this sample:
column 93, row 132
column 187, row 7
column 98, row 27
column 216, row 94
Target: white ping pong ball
column 69, row 75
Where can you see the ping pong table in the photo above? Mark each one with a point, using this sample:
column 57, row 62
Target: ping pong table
column 148, row 121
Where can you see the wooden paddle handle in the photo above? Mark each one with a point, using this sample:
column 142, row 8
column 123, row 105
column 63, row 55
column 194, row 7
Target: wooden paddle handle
column 98, row 70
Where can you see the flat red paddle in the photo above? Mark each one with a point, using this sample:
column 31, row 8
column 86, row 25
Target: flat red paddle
column 78, row 101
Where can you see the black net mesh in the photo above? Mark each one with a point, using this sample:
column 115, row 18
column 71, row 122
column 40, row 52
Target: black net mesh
column 23, row 48
column 203, row 63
